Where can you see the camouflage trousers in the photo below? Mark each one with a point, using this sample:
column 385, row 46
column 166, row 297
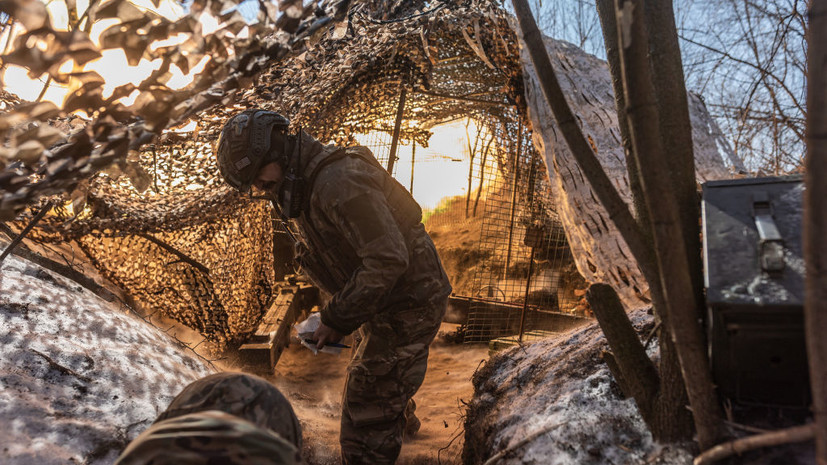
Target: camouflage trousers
column 387, row 368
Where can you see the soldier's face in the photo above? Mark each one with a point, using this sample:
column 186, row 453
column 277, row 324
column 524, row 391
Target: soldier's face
column 269, row 178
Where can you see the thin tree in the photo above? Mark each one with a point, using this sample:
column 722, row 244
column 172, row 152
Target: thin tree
column 667, row 261
column 645, row 31
column 815, row 222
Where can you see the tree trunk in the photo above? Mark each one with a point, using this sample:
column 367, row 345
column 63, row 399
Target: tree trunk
column 666, row 226
column 670, row 420
column 638, row 372
column 815, row 221
column 661, row 399
column 676, row 130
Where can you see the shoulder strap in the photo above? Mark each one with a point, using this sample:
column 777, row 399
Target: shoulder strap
column 317, row 164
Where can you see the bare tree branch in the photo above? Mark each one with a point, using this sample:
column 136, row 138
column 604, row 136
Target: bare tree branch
column 739, row 446
column 763, row 71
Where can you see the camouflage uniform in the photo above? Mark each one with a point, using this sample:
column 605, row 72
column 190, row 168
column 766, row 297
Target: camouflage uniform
column 249, row 397
column 205, row 438
column 366, row 246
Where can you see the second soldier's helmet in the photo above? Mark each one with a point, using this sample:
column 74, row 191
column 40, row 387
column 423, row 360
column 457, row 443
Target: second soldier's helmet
column 243, row 395
column 244, row 146
column 208, row 438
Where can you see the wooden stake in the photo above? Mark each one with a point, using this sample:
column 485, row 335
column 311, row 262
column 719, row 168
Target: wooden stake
column 397, row 126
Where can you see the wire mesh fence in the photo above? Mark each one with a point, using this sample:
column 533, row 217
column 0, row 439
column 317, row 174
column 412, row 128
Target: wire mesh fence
column 501, row 241
column 527, row 279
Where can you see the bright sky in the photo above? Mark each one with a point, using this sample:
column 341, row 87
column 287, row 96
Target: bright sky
column 441, row 170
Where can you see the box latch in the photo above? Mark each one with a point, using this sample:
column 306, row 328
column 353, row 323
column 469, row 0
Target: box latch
column 770, row 245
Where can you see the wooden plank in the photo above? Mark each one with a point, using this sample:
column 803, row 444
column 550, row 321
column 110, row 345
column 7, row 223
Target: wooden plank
column 273, row 333
column 303, row 298
column 272, row 318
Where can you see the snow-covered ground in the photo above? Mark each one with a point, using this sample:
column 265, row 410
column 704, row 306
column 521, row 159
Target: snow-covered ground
column 79, row 376
column 560, row 385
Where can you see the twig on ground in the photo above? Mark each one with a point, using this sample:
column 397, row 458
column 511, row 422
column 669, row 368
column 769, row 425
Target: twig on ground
column 499, row 455
column 61, row 368
column 448, row 446
column 482, row 362
column 652, row 334
column 739, row 446
column 747, row 428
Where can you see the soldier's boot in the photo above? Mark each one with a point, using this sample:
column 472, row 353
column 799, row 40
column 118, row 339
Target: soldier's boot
column 412, row 423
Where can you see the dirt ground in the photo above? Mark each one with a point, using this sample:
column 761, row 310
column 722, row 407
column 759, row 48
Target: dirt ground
column 314, row 386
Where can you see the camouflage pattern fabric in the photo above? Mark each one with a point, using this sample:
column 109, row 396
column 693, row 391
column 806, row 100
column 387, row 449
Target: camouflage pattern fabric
column 246, row 396
column 207, row 438
column 364, row 243
column 387, row 369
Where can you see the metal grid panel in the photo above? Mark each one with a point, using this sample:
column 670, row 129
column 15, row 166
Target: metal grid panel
column 528, row 278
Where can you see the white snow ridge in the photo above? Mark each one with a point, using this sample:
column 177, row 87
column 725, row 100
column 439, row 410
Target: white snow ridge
column 79, row 377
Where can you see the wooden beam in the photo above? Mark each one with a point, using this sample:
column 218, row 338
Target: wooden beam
column 397, row 126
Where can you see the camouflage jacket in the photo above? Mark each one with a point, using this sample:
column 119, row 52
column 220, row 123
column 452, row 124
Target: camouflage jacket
column 365, row 243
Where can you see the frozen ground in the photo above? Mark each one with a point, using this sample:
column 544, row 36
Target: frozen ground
column 560, row 390
column 560, row 385
column 79, row 377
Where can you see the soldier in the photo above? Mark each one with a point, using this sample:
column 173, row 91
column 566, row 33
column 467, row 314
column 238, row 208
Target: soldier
column 249, row 397
column 362, row 241
column 227, row 418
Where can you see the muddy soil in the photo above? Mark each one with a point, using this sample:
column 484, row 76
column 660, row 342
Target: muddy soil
column 314, row 386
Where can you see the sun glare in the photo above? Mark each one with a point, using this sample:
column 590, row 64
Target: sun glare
column 112, row 65
column 441, row 169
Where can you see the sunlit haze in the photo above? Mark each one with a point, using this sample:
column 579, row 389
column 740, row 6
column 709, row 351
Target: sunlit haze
column 441, row 169
column 112, row 65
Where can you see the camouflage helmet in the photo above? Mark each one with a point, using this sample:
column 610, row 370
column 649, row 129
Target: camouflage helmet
column 209, row 437
column 243, row 146
column 246, row 396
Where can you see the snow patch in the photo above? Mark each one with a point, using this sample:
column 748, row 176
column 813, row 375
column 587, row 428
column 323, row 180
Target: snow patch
column 79, row 377
column 561, row 384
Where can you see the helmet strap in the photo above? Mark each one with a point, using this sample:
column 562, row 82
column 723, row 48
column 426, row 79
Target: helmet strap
column 291, row 196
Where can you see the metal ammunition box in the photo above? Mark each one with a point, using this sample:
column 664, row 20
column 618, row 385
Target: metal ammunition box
column 754, row 277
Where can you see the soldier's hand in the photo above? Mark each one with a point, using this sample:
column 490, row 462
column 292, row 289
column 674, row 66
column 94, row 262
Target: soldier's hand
column 326, row 335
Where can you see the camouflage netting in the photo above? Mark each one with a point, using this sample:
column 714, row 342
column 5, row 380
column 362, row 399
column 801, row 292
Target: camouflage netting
column 180, row 244
column 456, row 60
column 205, row 260
column 336, row 73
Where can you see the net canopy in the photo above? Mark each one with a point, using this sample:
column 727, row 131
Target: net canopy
column 157, row 221
column 161, row 225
